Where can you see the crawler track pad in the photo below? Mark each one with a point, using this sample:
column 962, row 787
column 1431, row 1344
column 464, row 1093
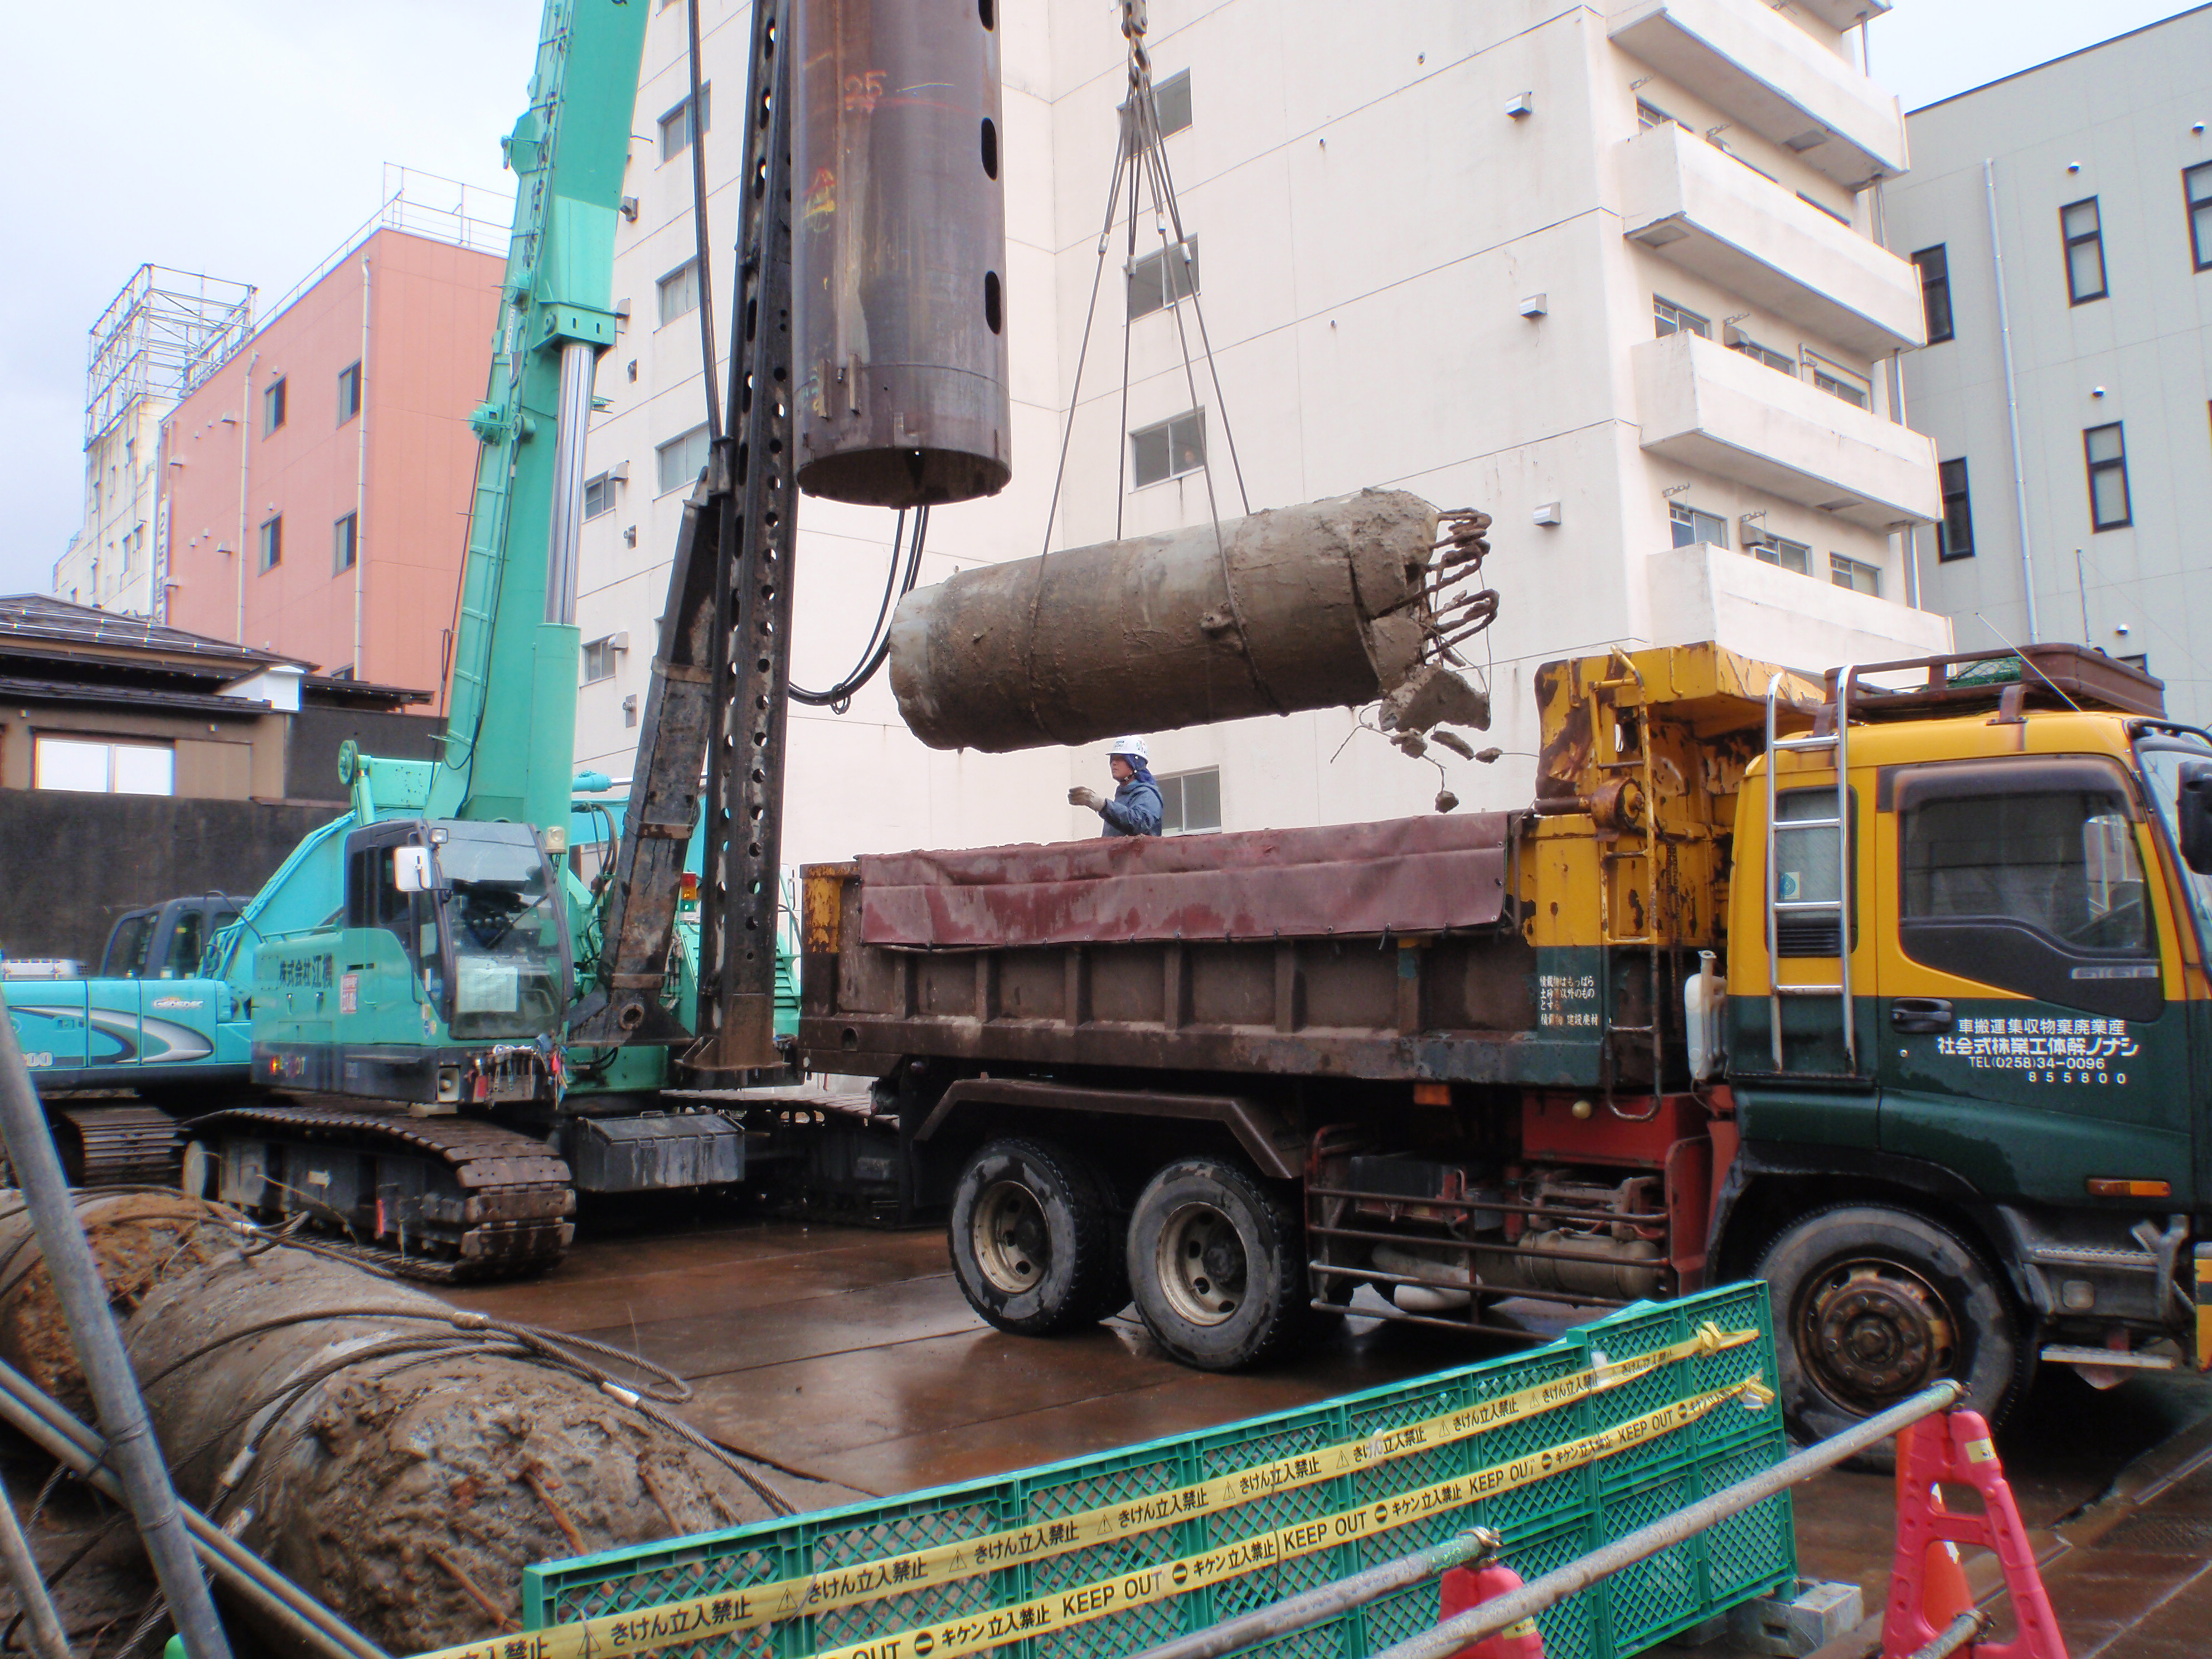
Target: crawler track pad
column 440, row 1199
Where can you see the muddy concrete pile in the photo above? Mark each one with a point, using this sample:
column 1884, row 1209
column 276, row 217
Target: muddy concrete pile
column 1327, row 604
column 395, row 1457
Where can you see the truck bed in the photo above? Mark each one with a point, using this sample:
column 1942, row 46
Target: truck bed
column 1383, row 950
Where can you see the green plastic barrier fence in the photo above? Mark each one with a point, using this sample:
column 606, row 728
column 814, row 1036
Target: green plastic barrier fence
column 1559, row 1449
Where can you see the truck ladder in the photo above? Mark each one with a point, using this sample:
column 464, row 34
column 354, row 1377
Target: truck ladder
column 1649, row 938
column 1838, row 742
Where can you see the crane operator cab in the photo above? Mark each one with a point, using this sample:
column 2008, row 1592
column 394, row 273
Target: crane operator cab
column 441, row 983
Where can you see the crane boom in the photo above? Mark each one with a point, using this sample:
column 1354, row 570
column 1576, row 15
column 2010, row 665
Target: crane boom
column 510, row 756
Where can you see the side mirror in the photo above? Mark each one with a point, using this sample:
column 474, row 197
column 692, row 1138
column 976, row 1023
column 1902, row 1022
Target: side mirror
column 411, row 871
column 2196, row 817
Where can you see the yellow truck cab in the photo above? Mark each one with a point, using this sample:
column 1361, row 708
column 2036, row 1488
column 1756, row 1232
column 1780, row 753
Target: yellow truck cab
column 1975, row 1136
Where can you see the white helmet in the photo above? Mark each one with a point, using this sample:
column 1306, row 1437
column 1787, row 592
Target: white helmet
column 1133, row 748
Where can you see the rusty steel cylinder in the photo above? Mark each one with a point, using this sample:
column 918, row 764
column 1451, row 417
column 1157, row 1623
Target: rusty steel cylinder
column 1316, row 606
column 400, row 1459
column 898, row 258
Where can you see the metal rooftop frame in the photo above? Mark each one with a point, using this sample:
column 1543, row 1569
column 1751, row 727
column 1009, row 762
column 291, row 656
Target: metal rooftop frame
column 164, row 333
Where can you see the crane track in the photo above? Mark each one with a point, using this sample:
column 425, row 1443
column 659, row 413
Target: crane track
column 439, row 1198
column 118, row 1146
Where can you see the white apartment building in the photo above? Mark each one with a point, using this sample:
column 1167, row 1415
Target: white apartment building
column 1603, row 270
column 2070, row 207
column 109, row 563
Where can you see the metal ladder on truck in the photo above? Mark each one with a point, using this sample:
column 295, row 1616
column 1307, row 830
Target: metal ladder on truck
column 1648, row 937
column 1837, row 741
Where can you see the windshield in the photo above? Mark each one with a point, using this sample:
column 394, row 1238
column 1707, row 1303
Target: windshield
column 2161, row 769
column 508, row 930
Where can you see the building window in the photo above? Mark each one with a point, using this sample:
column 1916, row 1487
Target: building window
column 599, row 659
column 272, row 542
column 2084, row 251
column 94, row 766
column 272, row 407
column 2106, row 448
column 1954, row 537
column 679, row 292
column 682, row 459
column 2196, row 190
column 348, row 393
column 1780, row 551
column 1170, row 449
column 1935, row 267
column 1759, row 354
column 1668, row 317
column 345, row 543
column 1190, row 802
column 1171, row 98
column 675, row 129
column 1839, row 382
column 1160, row 279
column 598, row 496
column 1856, row 574
column 1692, row 527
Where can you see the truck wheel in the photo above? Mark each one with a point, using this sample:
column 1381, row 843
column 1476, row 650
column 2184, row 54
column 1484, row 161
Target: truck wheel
column 1873, row 1304
column 1217, row 1265
column 1033, row 1239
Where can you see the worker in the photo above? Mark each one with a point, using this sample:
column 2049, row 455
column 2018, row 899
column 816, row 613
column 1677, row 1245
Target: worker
column 1135, row 808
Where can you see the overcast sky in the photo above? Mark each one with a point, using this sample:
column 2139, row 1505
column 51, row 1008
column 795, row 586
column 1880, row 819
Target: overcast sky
column 246, row 139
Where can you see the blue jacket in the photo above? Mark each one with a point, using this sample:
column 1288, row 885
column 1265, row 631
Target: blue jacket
column 1135, row 810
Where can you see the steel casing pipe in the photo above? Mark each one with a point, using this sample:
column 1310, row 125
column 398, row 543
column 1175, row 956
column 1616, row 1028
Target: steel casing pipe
column 1315, row 606
column 898, row 251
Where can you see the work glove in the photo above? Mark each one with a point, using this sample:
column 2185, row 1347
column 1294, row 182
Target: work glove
column 1080, row 796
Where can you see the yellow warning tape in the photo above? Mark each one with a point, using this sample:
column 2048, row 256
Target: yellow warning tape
column 977, row 1632
column 676, row 1622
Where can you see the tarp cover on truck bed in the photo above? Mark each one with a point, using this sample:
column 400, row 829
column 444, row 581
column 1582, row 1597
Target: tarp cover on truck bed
column 1403, row 876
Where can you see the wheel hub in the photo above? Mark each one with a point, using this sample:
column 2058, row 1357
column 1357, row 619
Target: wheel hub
column 1875, row 1330
column 1201, row 1264
column 1011, row 1244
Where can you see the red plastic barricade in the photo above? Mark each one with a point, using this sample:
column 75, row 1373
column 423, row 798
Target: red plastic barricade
column 1927, row 1587
column 1468, row 1587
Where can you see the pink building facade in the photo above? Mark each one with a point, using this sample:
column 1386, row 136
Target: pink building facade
column 316, row 488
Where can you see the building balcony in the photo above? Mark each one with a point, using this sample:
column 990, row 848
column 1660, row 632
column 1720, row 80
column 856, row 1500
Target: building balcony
column 1845, row 13
column 1701, row 208
column 1771, row 75
column 1705, row 592
column 1704, row 406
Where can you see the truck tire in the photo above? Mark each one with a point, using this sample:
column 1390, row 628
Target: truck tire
column 1217, row 1265
column 1872, row 1303
column 1033, row 1238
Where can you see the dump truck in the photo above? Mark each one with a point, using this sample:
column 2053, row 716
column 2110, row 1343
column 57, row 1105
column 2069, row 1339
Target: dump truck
column 1887, row 987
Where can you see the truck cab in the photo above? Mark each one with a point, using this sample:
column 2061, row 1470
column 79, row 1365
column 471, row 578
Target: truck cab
column 1967, row 1035
column 442, row 981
